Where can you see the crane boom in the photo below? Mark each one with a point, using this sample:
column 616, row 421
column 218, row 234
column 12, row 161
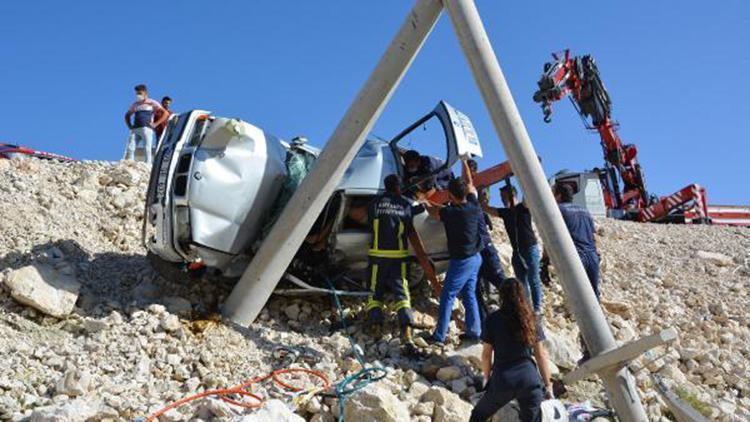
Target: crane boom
column 578, row 78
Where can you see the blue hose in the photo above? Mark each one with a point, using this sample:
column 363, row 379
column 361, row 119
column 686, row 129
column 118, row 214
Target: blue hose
column 362, row 378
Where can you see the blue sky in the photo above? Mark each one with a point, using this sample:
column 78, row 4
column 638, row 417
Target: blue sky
column 677, row 73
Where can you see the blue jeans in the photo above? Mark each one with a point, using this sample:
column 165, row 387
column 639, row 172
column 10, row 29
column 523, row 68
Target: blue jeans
column 461, row 279
column 590, row 261
column 145, row 135
column 526, row 266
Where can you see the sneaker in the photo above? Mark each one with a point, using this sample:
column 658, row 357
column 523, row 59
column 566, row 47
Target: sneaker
column 431, row 340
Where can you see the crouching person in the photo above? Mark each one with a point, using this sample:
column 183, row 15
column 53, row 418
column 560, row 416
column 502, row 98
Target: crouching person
column 508, row 336
column 390, row 220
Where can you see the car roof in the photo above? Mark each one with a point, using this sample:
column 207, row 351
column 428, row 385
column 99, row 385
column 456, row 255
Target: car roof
column 373, row 162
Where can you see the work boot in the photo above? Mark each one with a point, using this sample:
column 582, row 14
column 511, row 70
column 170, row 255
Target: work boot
column 410, row 349
column 375, row 330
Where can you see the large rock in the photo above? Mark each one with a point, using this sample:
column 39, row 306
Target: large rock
column 78, row 410
column 44, row 289
column 73, row 383
column 448, row 406
column 274, row 410
column 375, row 403
column 563, row 349
column 448, row 373
column 472, row 354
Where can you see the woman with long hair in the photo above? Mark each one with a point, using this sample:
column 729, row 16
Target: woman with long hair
column 508, row 336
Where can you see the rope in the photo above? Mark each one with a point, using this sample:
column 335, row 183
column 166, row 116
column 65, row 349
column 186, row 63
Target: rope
column 362, row 378
column 241, row 390
column 342, row 390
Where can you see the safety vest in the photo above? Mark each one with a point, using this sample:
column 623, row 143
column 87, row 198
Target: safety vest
column 390, row 221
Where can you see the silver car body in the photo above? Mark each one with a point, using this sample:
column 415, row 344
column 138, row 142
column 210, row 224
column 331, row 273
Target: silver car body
column 215, row 180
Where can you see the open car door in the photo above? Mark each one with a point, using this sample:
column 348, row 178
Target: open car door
column 460, row 137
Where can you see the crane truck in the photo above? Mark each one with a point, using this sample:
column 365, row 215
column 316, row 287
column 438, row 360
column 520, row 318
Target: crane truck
column 622, row 179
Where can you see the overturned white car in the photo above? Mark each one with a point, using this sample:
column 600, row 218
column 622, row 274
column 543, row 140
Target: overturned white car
column 218, row 184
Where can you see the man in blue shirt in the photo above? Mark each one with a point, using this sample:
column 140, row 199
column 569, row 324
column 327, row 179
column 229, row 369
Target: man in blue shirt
column 390, row 220
column 581, row 228
column 461, row 220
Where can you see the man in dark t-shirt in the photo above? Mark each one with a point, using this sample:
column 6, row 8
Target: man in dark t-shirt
column 461, row 220
column 526, row 256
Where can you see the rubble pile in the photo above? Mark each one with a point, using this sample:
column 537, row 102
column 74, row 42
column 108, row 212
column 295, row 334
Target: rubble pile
column 89, row 331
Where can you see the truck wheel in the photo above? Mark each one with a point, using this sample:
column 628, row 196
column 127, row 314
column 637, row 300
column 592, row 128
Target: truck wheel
column 170, row 271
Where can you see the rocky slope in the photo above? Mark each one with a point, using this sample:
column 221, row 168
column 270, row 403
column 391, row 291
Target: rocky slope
column 135, row 342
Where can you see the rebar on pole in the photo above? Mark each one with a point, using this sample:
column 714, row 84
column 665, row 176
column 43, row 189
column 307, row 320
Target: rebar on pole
column 517, row 145
column 277, row 250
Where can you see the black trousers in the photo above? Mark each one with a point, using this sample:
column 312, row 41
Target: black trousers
column 389, row 275
column 491, row 272
column 518, row 381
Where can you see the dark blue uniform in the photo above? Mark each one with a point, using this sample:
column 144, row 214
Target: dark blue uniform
column 514, row 374
column 390, row 219
column 581, row 228
column 427, row 180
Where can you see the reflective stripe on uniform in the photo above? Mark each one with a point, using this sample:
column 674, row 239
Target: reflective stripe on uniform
column 400, row 235
column 377, row 253
column 371, row 302
column 373, row 278
column 375, row 231
column 401, row 304
column 405, row 283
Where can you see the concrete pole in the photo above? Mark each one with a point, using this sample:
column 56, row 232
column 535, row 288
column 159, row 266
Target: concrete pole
column 557, row 241
column 268, row 266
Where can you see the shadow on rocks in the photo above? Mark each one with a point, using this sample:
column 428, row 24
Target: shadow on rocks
column 112, row 281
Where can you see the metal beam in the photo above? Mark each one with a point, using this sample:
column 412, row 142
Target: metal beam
column 621, row 355
column 517, row 146
column 277, row 250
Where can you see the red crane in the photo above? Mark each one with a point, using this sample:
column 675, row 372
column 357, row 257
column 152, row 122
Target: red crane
column 578, row 79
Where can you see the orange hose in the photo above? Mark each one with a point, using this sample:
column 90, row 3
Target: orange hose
column 241, row 390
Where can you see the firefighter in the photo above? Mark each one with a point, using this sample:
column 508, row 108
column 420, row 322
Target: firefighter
column 390, row 221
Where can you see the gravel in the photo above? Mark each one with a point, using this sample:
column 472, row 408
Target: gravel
column 135, row 342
